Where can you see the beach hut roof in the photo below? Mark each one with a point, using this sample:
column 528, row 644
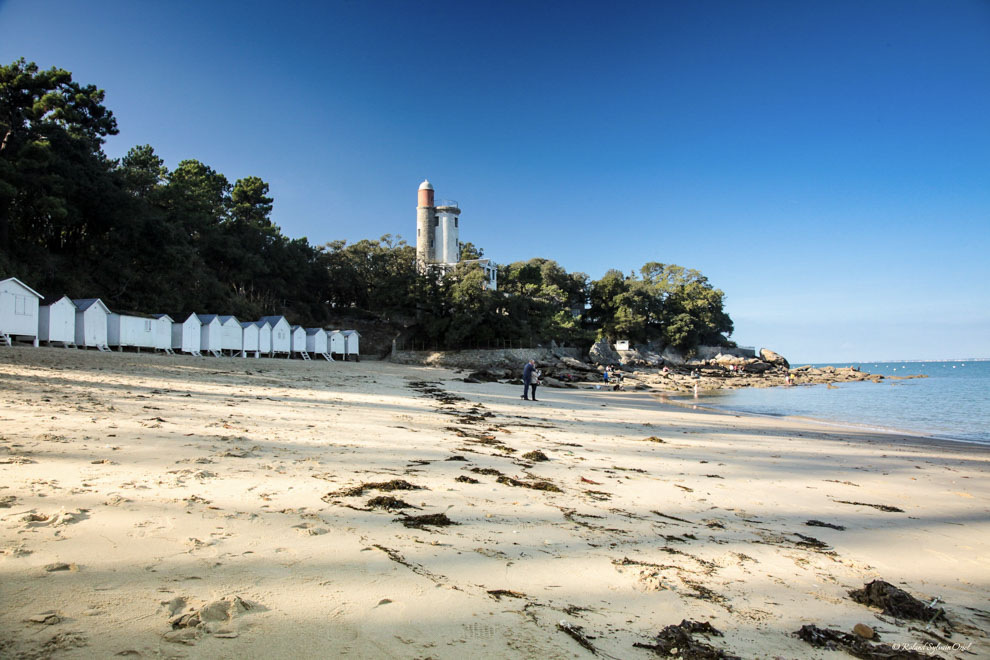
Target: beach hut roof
column 137, row 315
column 313, row 331
column 206, row 318
column 14, row 279
column 52, row 300
column 163, row 316
column 245, row 324
column 263, row 321
column 226, row 317
column 350, row 332
column 82, row 304
column 272, row 320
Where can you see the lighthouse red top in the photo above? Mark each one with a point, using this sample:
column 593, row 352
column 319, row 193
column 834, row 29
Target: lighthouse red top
column 426, row 193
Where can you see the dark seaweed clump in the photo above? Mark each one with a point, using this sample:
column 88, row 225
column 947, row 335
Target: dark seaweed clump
column 679, row 640
column 386, row 486
column 427, row 520
column 836, row 640
column 388, row 503
column 894, row 601
column 535, row 485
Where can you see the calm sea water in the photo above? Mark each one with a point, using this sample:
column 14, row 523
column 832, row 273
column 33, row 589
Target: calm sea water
column 952, row 403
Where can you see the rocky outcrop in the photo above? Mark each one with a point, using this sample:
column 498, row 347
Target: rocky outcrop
column 602, row 353
column 757, row 367
column 773, row 358
column 577, row 365
column 732, row 360
column 673, row 357
column 511, row 359
column 640, row 357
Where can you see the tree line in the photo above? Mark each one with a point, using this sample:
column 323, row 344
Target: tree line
column 148, row 239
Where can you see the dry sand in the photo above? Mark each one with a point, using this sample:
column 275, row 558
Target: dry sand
column 138, row 490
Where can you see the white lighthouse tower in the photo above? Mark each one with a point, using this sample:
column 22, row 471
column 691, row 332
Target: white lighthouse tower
column 437, row 240
column 438, row 244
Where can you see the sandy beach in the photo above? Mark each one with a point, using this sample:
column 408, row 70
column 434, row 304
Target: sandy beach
column 155, row 506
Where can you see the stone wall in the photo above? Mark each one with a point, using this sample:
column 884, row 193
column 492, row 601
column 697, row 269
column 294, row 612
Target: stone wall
column 505, row 358
column 708, row 352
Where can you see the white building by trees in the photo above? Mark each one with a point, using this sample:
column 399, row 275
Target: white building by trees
column 186, row 336
column 231, row 335
column 264, row 337
column 57, row 321
column 316, row 343
column 281, row 334
column 91, row 323
column 249, row 339
column 351, row 343
column 438, row 245
column 19, row 305
column 131, row 331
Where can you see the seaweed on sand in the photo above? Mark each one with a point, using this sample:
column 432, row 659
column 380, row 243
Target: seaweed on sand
column 535, row 485
column 679, row 640
column 854, row 645
column 492, row 472
column 426, row 520
column 819, row 523
column 499, row 594
column 386, row 486
column 389, row 503
column 895, row 601
column 881, row 507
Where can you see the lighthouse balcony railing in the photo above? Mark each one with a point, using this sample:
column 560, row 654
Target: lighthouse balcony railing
column 446, row 202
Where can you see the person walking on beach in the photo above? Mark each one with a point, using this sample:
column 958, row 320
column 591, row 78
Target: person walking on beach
column 528, row 378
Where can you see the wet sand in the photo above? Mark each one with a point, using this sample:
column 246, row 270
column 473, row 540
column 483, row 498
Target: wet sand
column 202, row 508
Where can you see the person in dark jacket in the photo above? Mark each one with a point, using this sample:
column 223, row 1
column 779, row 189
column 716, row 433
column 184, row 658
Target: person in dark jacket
column 528, row 378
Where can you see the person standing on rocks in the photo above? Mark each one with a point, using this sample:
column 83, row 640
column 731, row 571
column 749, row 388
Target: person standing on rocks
column 528, row 378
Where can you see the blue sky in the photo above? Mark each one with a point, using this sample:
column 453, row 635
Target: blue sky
column 826, row 164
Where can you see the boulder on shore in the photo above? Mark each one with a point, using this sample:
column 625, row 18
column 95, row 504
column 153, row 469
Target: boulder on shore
column 577, row 365
column 774, row 358
column 757, row 367
column 725, row 360
column 602, row 353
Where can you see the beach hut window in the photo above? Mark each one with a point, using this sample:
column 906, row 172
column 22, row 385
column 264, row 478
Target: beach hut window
column 147, row 326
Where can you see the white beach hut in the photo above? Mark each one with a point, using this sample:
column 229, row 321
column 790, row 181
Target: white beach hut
column 186, row 336
column 57, row 321
column 299, row 341
column 351, row 339
column 281, row 334
column 91, row 323
column 336, row 344
column 264, row 337
column 18, row 311
column 163, row 332
column 316, row 342
column 209, row 334
column 249, row 339
column 130, row 331
column 231, row 334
